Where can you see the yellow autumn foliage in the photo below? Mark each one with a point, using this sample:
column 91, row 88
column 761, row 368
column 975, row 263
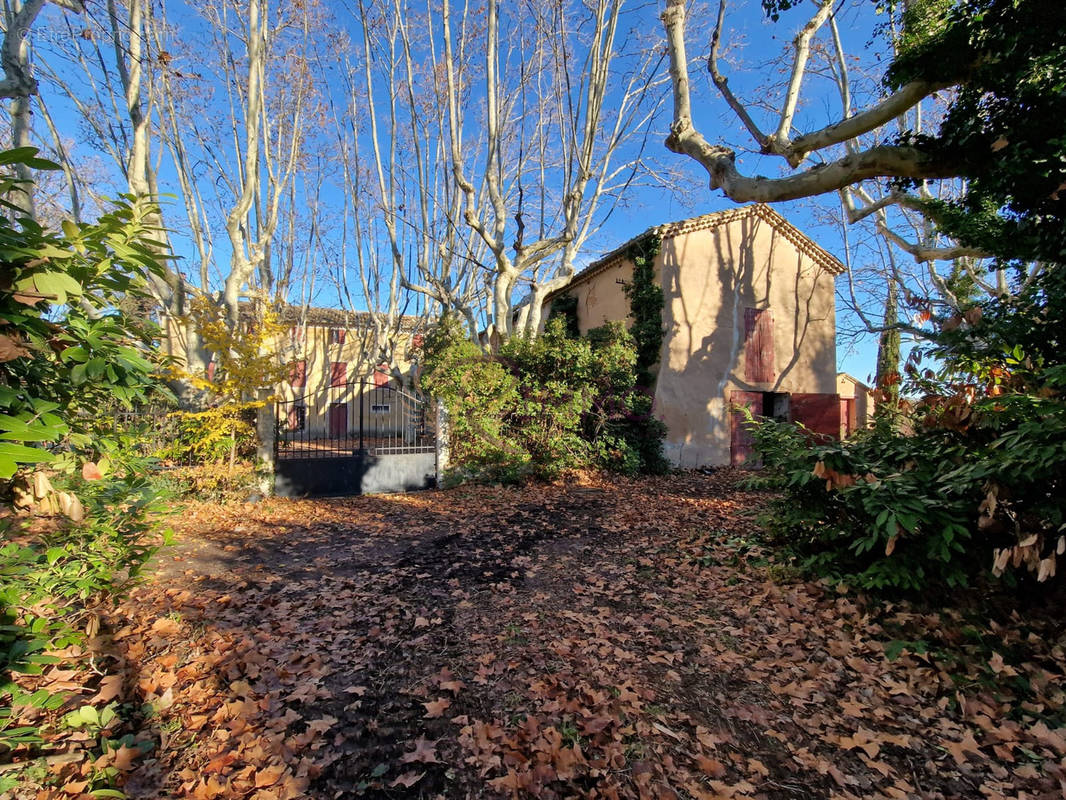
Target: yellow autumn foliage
column 246, row 360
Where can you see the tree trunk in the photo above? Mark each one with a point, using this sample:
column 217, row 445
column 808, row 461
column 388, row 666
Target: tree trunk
column 888, row 354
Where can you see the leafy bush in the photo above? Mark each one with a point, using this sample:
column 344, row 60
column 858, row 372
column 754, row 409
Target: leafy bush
column 969, row 482
column 975, row 486
column 69, row 355
column 206, row 482
column 478, row 393
column 246, row 361
column 542, row 405
column 627, row 436
column 211, row 436
column 55, row 576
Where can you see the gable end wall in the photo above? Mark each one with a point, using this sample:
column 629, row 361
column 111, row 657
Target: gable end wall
column 710, row 276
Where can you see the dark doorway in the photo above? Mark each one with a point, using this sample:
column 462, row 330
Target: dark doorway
column 775, row 405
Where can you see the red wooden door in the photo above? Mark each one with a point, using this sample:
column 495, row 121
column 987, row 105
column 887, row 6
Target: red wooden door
column 338, row 420
column 819, row 412
column 740, row 441
column 848, row 421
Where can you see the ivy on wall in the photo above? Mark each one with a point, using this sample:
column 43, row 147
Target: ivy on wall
column 645, row 304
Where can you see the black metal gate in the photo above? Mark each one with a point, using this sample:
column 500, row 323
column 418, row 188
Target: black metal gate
column 354, row 438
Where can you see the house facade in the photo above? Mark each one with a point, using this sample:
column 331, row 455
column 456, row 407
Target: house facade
column 749, row 320
column 338, row 383
column 856, row 404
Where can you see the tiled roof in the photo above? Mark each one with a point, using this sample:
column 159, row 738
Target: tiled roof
column 800, row 240
column 853, row 379
column 335, row 318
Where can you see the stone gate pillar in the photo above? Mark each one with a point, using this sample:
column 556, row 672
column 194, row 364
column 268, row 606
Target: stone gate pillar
column 266, row 434
column 442, row 441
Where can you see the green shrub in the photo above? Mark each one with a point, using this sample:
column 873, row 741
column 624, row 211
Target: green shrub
column 542, row 405
column 972, row 488
column 628, row 437
column 969, row 483
column 72, row 355
column 209, row 482
column 198, row 437
column 54, row 576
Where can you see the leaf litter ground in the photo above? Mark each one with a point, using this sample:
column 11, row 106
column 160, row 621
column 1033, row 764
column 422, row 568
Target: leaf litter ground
column 603, row 638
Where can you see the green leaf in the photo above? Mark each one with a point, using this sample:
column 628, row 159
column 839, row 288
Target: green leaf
column 11, row 455
column 17, row 155
column 56, row 284
column 23, row 431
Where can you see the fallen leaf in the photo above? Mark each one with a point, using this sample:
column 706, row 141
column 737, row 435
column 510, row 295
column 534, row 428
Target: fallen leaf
column 110, row 688
column 710, row 766
column 269, row 776
column 408, row 779
column 10, row 349
column 436, row 708
column 124, row 758
column 425, row 752
column 959, row 750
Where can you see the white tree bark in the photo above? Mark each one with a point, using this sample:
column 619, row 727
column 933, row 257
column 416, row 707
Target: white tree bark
column 19, row 85
column 835, row 173
column 531, row 170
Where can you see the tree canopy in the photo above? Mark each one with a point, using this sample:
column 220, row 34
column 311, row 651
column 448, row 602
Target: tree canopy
column 1000, row 66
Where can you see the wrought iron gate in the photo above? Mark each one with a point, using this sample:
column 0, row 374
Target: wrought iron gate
column 354, row 438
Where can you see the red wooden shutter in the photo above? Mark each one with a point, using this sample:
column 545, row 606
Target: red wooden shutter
column 741, row 450
column 381, row 375
column 848, row 421
column 298, row 374
column 758, row 345
column 819, row 412
column 338, row 373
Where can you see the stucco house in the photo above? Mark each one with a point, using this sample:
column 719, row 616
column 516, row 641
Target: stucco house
column 333, row 370
column 749, row 319
column 856, row 403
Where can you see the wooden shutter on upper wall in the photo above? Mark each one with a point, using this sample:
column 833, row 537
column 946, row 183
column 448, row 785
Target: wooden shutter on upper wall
column 298, row 374
column 338, row 373
column 758, row 345
column 381, row 375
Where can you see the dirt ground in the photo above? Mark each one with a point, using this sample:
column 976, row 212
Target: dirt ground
column 621, row 638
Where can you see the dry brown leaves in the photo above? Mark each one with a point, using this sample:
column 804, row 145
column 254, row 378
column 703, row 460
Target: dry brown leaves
column 607, row 640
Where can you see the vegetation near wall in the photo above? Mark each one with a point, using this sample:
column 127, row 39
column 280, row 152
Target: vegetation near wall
column 246, row 360
column 967, row 479
column 74, row 536
column 645, row 297
column 968, row 483
column 543, row 405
